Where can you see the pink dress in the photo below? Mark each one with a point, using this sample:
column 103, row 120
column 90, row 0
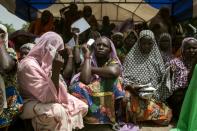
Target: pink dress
column 48, row 109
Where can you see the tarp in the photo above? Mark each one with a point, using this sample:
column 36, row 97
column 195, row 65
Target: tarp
column 117, row 10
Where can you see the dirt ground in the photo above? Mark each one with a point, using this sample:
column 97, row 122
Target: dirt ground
column 143, row 127
column 151, row 128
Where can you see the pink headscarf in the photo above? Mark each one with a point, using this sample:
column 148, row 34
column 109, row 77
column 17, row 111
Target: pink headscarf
column 45, row 50
column 34, row 71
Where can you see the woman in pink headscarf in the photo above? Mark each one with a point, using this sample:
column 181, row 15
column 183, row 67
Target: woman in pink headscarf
column 47, row 101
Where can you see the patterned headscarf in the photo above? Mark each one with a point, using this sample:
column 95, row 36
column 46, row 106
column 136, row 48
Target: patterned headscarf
column 183, row 67
column 187, row 63
column 140, row 68
column 185, row 41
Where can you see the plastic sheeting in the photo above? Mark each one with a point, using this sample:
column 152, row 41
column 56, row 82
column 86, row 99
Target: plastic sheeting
column 117, row 10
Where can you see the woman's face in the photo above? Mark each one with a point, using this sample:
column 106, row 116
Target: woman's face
column 146, row 45
column 130, row 40
column 190, row 49
column 117, row 40
column 164, row 43
column 102, row 48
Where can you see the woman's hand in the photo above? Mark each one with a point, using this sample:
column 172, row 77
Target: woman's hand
column 75, row 31
column 86, row 72
column 69, row 50
column 86, row 51
column 66, row 52
column 57, row 65
column 68, row 69
column 58, row 62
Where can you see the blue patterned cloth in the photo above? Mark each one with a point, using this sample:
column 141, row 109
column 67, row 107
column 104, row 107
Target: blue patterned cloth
column 14, row 106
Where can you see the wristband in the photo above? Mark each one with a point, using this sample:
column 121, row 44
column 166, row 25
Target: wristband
column 77, row 46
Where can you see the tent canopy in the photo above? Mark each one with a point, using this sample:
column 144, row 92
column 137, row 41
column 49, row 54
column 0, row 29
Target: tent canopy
column 117, row 10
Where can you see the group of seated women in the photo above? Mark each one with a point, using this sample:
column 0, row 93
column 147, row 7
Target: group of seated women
column 62, row 92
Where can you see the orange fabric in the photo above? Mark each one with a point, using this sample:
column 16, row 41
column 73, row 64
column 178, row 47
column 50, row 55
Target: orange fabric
column 178, row 53
column 146, row 110
column 37, row 29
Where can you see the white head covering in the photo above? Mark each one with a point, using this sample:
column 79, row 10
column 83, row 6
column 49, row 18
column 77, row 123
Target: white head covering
column 3, row 104
column 118, row 33
column 140, row 68
column 2, row 27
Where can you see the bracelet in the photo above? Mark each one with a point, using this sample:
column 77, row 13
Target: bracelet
column 77, row 46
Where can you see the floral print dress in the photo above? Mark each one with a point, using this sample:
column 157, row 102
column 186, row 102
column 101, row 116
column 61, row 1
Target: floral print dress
column 100, row 95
